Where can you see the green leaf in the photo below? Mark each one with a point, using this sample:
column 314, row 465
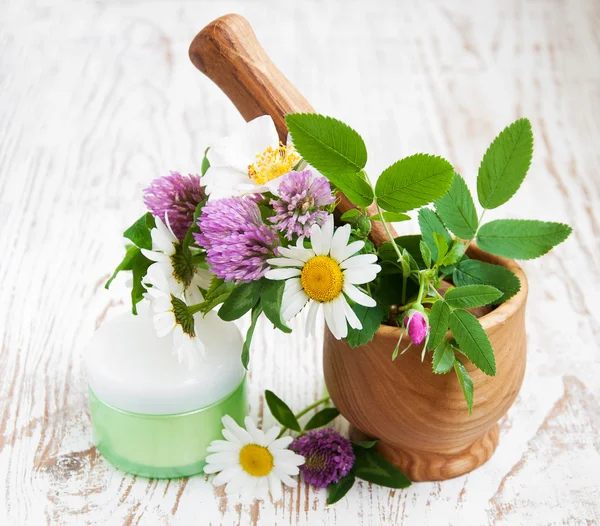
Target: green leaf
column 457, row 210
column 350, row 215
column 473, row 340
column 281, row 412
column 371, row 318
column 521, row 238
column 354, row 187
column 139, row 268
column 372, row 467
column 139, row 232
column 425, row 253
column 338, row 490
column 322, row 418
column 456, row 252
column 242, row 298
column 205, row 162
column 366, row 444
column 329, row 145
column 470, row 296
column 126, row 263
column 218, row 291
column 443, row 358
column 439, row 321
column 256, row 310
column 429, row 223
column 505, row 164
column 390, row 217
column 475, row 272
column 413, row 182
column 442, row 247
column 270, row 301
column 466, row 384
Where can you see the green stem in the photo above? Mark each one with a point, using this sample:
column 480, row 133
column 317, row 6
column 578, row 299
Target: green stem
column 422, row 280
column 384, row 223
column 404, row 283
column 306, row 410
column 193, row 309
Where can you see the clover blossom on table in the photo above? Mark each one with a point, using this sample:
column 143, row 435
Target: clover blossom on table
column 328, row 456
column 303, row 200
column 176, row 197
column 237, row 241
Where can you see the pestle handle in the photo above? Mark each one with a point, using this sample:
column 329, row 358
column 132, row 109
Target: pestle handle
column 229, row 54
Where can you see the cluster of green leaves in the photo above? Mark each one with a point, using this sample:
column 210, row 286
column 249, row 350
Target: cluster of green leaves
column 369, row 465
column 255, row 297
column 414, row 266
column 134, row 260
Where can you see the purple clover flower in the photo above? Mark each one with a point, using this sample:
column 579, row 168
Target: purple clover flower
column 303, row 199
column 328, row 456
column 236, row 240
column 177, row 197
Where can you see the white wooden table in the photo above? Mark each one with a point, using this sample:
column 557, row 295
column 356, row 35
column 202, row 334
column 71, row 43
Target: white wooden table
column 99, row 97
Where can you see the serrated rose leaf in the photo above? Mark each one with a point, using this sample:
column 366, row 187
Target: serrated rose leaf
column 521, row 238
column 413, row 182
column 505, row 164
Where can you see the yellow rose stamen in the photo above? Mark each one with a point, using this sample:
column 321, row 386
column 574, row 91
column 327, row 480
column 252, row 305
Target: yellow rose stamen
column 273, row 163
column 322, row 278
column 256, row 460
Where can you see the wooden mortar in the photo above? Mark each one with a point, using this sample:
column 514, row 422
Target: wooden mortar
column 420, row 418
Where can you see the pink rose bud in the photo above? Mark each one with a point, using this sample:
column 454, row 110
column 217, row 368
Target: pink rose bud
column 416, row 323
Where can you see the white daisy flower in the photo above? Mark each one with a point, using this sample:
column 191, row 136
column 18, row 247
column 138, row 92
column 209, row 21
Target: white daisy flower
column 323, row 275
column 171, row 315
column 181, row 274
column 252, row 462
column 251, row 160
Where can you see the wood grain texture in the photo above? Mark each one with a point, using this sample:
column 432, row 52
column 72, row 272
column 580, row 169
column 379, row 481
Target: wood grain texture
column 97, row 98
column 419, row 417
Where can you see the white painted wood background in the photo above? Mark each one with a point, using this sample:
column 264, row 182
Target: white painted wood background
column 99, row 97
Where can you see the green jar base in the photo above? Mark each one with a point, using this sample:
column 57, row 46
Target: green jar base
column 162, row 446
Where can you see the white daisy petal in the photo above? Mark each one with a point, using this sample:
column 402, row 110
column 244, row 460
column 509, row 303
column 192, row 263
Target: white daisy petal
column 339, row 242
column 275, row 487
column 350, row 249
column 285, row 262
column 227, row 475
column 351, row 316
column 280, row 443
column 330, row 319
column 292, row 286
column 217, row 446
column 327, row 235
column 316, row 240
column 295, row 305
column 231, row 425
column 301, row 254
column 337, row 308
column 358, row 276
column 358, row 296
column 282, row 273
column 271, row 435
column 257, row 435
column 311, row 317
column 284, row 477
column 359, row 261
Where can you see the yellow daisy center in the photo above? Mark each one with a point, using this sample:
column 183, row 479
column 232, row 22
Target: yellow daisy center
column 273, row 163
column 256, row 460
column 322, row 278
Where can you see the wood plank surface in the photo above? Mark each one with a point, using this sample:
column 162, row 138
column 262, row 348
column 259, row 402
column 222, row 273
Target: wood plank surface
column 99, row 97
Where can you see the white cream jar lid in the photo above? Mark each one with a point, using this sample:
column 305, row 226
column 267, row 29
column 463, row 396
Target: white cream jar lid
column 132, row 369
